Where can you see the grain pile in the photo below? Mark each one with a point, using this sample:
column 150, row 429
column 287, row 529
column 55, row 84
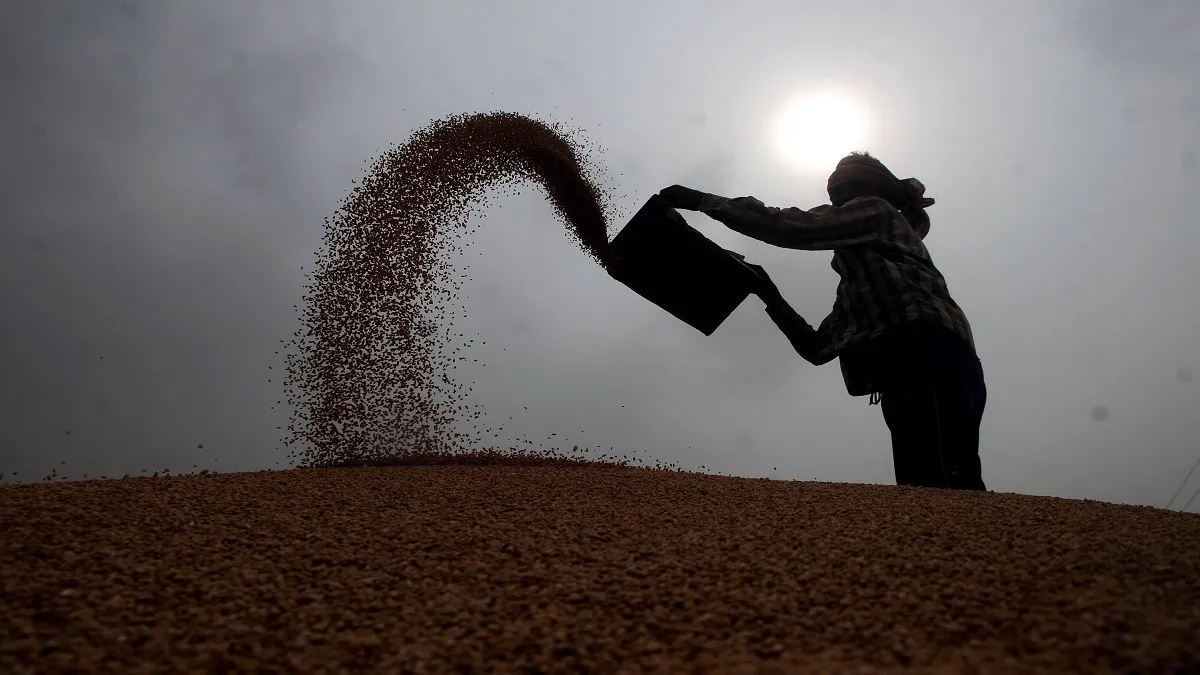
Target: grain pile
column 371, row 371
column 571, row 570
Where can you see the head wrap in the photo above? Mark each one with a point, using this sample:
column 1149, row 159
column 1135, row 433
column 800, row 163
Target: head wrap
column 868, row 175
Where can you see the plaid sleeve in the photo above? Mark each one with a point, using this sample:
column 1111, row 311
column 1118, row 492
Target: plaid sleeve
column 819, row 229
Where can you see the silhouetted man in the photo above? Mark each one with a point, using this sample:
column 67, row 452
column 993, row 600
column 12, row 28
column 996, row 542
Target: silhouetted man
column 899, row 335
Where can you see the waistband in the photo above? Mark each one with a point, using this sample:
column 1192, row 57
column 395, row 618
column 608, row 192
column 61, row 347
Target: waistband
column 890, row 356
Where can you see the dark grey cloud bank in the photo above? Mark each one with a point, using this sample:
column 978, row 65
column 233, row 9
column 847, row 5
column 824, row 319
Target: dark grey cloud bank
column 169, row 164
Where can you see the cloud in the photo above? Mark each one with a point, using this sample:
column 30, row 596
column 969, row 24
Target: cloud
column 1156, row 36
column 151, row 176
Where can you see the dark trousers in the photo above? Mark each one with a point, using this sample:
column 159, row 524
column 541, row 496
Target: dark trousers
column 932, row 400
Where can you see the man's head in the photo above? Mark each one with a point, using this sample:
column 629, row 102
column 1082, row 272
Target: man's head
column 861, row 175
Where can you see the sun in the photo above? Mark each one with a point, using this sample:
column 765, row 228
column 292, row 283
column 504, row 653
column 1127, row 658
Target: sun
column 816, row 130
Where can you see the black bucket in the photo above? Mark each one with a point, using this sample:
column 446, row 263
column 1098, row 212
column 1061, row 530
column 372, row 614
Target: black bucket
column 673, row 265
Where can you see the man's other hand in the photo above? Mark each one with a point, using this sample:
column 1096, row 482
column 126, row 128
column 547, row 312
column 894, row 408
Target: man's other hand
column 680, row 197
column 765, row 287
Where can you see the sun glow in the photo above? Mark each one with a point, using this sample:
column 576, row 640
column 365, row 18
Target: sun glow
column 816, row 130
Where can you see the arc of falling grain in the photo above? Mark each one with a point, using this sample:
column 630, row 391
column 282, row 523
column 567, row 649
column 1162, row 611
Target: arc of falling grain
column 368, row 375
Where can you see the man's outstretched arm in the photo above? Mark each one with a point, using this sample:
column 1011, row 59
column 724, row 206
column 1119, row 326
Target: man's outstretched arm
column 807, row 342
column 822, row 228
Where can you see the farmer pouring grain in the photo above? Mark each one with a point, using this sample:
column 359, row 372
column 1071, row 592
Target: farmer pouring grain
column 899, row 335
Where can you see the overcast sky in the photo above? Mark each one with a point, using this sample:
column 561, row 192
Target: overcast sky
column 167, row 167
